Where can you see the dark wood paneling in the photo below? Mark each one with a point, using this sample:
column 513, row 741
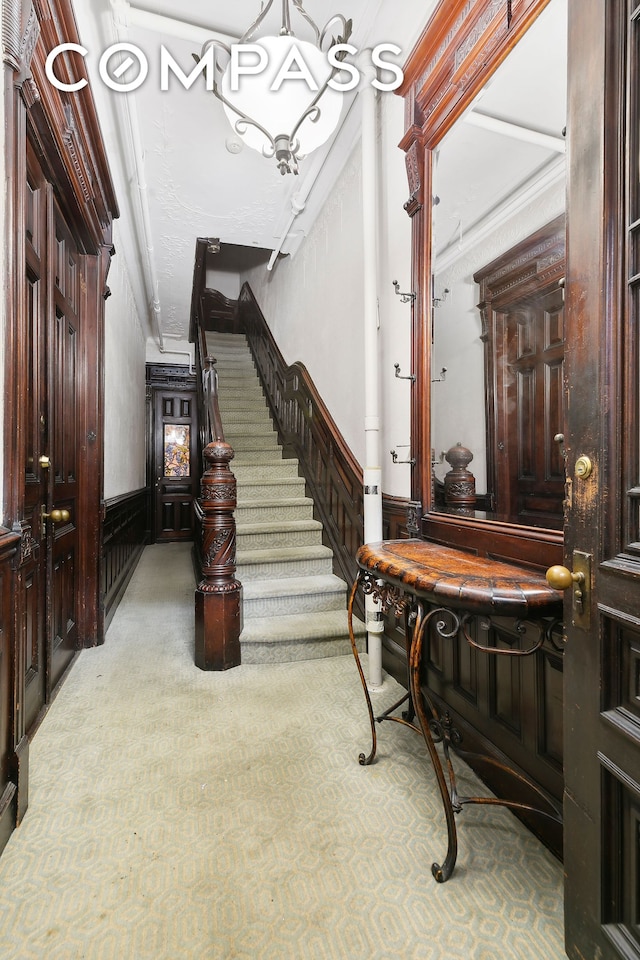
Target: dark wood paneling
column 307, row 431
column 510, row 711
column 9, row 681
column 126, row 531
column 58, row 215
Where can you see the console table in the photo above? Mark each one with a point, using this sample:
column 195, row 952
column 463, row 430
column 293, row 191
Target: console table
column 440, row 588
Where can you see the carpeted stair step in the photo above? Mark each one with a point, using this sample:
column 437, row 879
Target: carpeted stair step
column 274, row 535
column 239, row 404
column 279, row 598
column 248, row 430
column 271, row 471
column 283, row 563
column 253, row 457
column 291, row 508
column 237, row 391
column 248, row 441
column 257, row 414
column 297, row 637
column 263, row 490
column 294, row 607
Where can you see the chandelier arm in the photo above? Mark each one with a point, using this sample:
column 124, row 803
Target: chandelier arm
column 244, row 121
column 303, row 13
column 311, row 113
column 285, row 30
column 215, row 44
column 346, row 26
column 256, row 24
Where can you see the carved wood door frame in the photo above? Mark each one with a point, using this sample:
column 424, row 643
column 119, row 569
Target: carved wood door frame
column 63, row 353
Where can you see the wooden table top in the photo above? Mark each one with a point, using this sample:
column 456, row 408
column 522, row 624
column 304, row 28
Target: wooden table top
column 459, row 579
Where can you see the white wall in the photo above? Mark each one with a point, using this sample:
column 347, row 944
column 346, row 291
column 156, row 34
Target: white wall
column 313, row 301
column 227, row 282
column 124, row 386
column 176, row 352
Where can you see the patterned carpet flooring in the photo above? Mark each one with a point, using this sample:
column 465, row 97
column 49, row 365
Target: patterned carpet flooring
column 176, row 814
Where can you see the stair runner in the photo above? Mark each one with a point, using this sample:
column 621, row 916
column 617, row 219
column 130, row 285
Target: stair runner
column 294, row 606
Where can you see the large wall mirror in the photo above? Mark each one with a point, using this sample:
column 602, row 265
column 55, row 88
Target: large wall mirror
column 486, row 163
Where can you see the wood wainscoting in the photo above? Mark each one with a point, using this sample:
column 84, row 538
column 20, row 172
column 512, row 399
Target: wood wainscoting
column 508, row 709
column 126, row 531
column 9, row 674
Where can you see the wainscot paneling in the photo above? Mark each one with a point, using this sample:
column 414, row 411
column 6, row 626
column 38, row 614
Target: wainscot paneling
column 126, row 531
column 8, row 689
column 508, row 709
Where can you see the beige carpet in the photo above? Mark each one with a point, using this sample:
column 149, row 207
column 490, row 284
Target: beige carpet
column 176, row 814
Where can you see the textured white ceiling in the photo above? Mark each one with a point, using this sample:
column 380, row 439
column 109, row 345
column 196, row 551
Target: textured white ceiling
column 192, row 186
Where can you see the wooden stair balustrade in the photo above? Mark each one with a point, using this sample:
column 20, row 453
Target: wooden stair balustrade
column 308, row 432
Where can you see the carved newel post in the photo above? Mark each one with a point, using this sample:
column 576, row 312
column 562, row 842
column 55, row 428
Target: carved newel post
column 459, row 483
column 219, row 594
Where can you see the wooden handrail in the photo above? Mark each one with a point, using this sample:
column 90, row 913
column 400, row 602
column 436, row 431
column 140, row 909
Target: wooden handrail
column 308, row 431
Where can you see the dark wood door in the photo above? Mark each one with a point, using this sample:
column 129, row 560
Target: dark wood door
column 33, row 574
column 64, row 409
column 602, row 658
column 530, row 411
column 174, row 463
column 48, row 580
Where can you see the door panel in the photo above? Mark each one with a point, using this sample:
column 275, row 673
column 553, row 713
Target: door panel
column 602, row 660
column 49, row 575
column 533, row 413
column 175, row 457
column 63, row 390
column 33, row 574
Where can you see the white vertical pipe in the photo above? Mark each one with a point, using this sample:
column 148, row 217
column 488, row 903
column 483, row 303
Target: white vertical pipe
column 373, row 468
column 121, row 10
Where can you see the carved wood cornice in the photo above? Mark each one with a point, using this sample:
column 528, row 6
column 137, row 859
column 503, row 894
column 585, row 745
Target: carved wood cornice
column 535, row 262
column 462, row 44
column 65, row 125
column 20, row 32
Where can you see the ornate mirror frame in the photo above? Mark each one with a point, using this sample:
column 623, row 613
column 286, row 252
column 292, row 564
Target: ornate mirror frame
column 463, row 44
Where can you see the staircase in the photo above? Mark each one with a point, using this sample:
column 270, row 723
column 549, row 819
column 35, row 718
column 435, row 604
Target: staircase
column 294, row 607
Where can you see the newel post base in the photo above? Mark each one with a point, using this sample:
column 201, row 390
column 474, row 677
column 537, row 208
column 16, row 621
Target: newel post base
column 218, row 607
column 218, row 628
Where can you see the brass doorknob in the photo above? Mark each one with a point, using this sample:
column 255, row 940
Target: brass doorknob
column 560, row 578
column 44, row 462
column 57, row 516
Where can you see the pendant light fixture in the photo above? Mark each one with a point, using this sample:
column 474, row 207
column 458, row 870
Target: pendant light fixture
column 274, row 86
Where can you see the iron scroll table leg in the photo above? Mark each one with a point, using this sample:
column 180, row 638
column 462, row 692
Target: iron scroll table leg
column 363, row 759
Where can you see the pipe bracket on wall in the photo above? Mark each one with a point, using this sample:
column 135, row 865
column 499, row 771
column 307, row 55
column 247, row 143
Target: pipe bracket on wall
column 411, row 376
column 394, row 457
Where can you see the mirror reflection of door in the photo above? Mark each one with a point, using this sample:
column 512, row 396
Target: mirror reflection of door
column 522, row 310
column 499, row 181
column 532, row 491
column 175, row 470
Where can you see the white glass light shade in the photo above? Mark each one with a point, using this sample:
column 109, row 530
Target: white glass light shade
column 279, row 111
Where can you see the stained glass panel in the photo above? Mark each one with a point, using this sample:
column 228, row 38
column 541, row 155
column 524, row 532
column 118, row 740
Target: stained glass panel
column 176, row 450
